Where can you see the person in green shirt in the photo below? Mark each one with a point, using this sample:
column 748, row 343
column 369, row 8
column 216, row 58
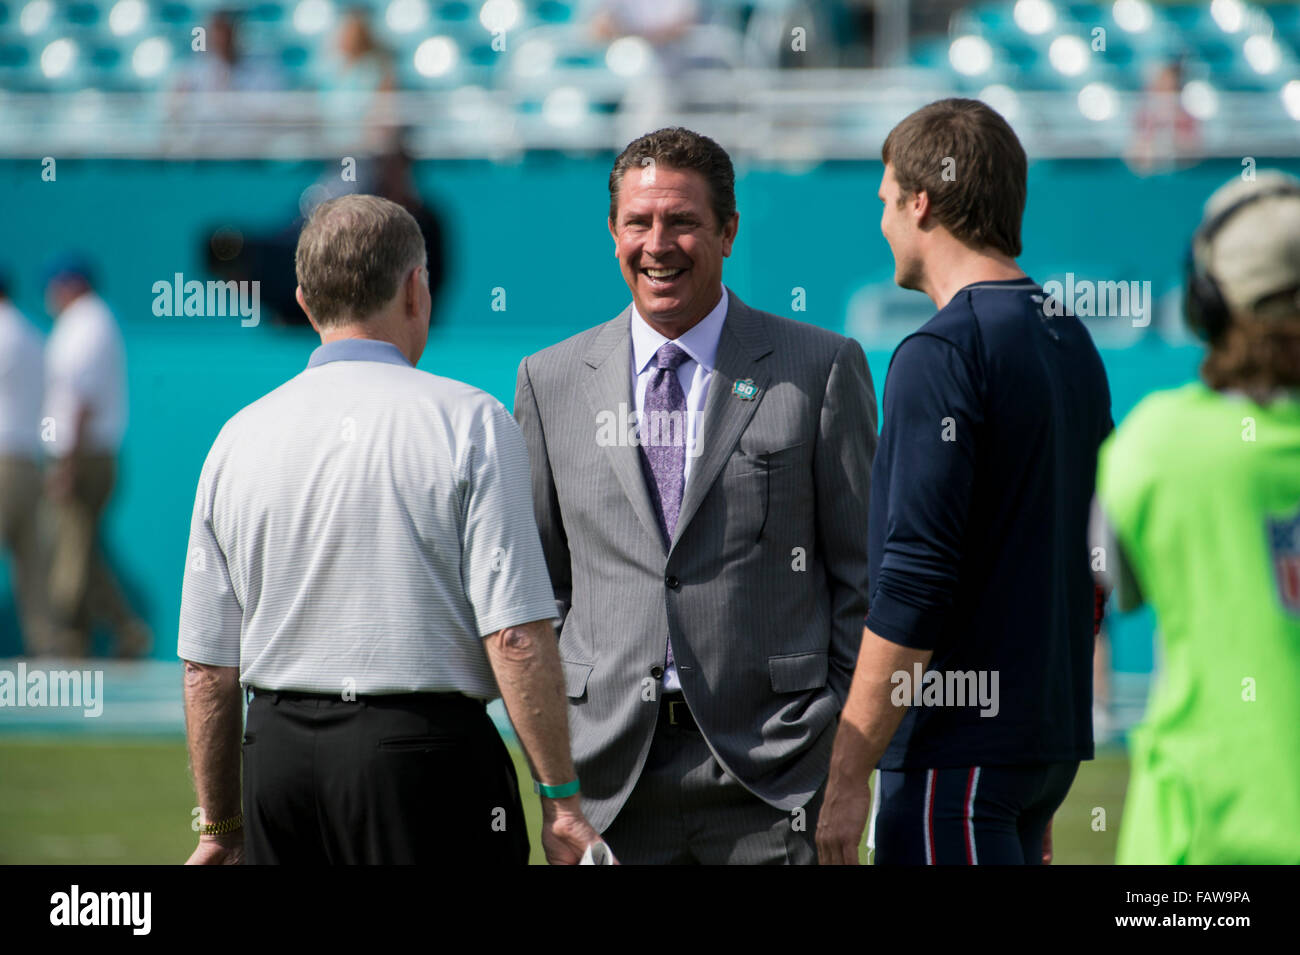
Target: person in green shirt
column 1198, row 514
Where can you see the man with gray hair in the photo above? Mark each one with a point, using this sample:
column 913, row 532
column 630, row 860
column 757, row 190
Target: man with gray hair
column 363, row 558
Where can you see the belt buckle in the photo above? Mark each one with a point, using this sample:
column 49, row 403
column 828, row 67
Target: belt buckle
column 672, row 713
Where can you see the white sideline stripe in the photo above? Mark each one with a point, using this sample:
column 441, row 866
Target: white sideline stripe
column 925, row 815
column 970, row 817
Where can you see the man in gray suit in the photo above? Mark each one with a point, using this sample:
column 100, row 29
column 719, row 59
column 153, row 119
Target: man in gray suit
column 701, row 476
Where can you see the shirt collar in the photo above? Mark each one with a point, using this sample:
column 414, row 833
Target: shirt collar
column 701, row 342
column 86, row 303
column 358, row 349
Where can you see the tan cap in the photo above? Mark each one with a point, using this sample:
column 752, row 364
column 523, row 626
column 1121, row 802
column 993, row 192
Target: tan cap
column 1255, row 253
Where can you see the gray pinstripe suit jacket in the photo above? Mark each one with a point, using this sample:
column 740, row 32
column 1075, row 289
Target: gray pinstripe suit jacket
column 764, row 585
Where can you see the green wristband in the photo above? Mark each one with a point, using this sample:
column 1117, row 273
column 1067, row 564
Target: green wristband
column 556, row 792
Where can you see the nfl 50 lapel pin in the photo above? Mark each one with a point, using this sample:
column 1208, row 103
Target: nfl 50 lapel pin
column 745, row 389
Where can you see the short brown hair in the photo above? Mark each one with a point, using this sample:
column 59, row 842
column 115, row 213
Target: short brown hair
column 352, row 256
column 678, row 148
column 970, row 164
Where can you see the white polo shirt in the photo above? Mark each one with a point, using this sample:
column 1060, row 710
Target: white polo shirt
column 85, row 364
column 22, row 385
column 362, row 528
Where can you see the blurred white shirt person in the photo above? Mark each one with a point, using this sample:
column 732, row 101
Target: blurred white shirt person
column 85, row 420
column 21, row 389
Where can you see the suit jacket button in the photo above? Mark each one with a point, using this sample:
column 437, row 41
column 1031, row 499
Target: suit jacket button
column 657, row 671
column 672, row 582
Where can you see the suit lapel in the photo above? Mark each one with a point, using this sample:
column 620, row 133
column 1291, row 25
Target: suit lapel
column 609, row 388
column 741, row 348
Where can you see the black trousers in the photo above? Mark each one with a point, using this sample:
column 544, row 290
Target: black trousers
column 969, row 815
column 404, row 779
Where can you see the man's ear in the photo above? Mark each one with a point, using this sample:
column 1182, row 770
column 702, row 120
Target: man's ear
column 729, row 234
column 302, row 304
column 920, row 207
column 412, row 290
column 613, row 235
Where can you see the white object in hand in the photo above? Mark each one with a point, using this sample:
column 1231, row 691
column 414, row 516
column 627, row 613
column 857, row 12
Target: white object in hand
column 598, row 853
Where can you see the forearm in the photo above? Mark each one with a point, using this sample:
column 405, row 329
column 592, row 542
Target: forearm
column 214, row 729
column 1114, row 572
column 526, row 662
column 870, row 716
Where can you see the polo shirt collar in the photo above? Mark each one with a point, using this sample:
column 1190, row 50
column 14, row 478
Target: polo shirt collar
column 701, row 342
column 358, row 349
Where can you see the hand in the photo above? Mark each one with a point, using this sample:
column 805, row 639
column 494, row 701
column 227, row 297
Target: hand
column 566, row 833
column 225, row 849
column 1047, row 843
column 842, row 821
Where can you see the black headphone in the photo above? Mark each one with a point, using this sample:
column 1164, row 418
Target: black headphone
column 1204, row 306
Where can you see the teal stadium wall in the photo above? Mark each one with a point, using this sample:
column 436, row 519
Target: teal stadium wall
column 535, row 228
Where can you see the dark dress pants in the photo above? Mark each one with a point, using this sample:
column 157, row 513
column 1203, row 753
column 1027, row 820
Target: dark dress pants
column 403, row 779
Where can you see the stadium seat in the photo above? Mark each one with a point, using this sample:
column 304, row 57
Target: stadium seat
column 456, row 12
column 554, row 12
column 265, row 13
column 83, row 14
column 14, row 66
column 180, row 13
column 1286, row 22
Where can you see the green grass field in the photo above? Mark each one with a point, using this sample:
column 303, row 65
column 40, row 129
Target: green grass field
column 130, row 802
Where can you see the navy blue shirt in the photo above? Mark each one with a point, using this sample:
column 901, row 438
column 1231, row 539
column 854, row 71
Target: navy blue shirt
column 980, row 493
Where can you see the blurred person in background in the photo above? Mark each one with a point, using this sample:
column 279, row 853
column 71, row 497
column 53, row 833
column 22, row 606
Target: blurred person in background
column 21, row 390
column 201, row 94
column 1199, row 515
column 389, row 175
column 661, row 23
column 356, row 75
column 85, row 402
column 665, row 27
column 1165, row 135
column 773, row 42
column 222, row 67
column 268, row 258
column 856, row 29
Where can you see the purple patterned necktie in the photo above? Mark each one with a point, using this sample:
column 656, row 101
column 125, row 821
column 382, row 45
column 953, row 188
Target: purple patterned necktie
column 663, row 442
column 663, row 439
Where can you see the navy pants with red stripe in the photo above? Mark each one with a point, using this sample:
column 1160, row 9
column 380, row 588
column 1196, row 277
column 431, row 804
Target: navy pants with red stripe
column 973, row 815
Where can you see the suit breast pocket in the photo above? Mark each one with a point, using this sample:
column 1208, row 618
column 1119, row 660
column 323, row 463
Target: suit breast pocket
column 760, row 489
column 764, row 461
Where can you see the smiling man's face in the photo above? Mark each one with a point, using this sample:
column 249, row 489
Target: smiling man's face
column 670, row 247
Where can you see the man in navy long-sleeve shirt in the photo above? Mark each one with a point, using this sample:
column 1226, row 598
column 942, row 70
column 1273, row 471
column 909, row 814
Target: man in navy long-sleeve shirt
column 973, row 688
